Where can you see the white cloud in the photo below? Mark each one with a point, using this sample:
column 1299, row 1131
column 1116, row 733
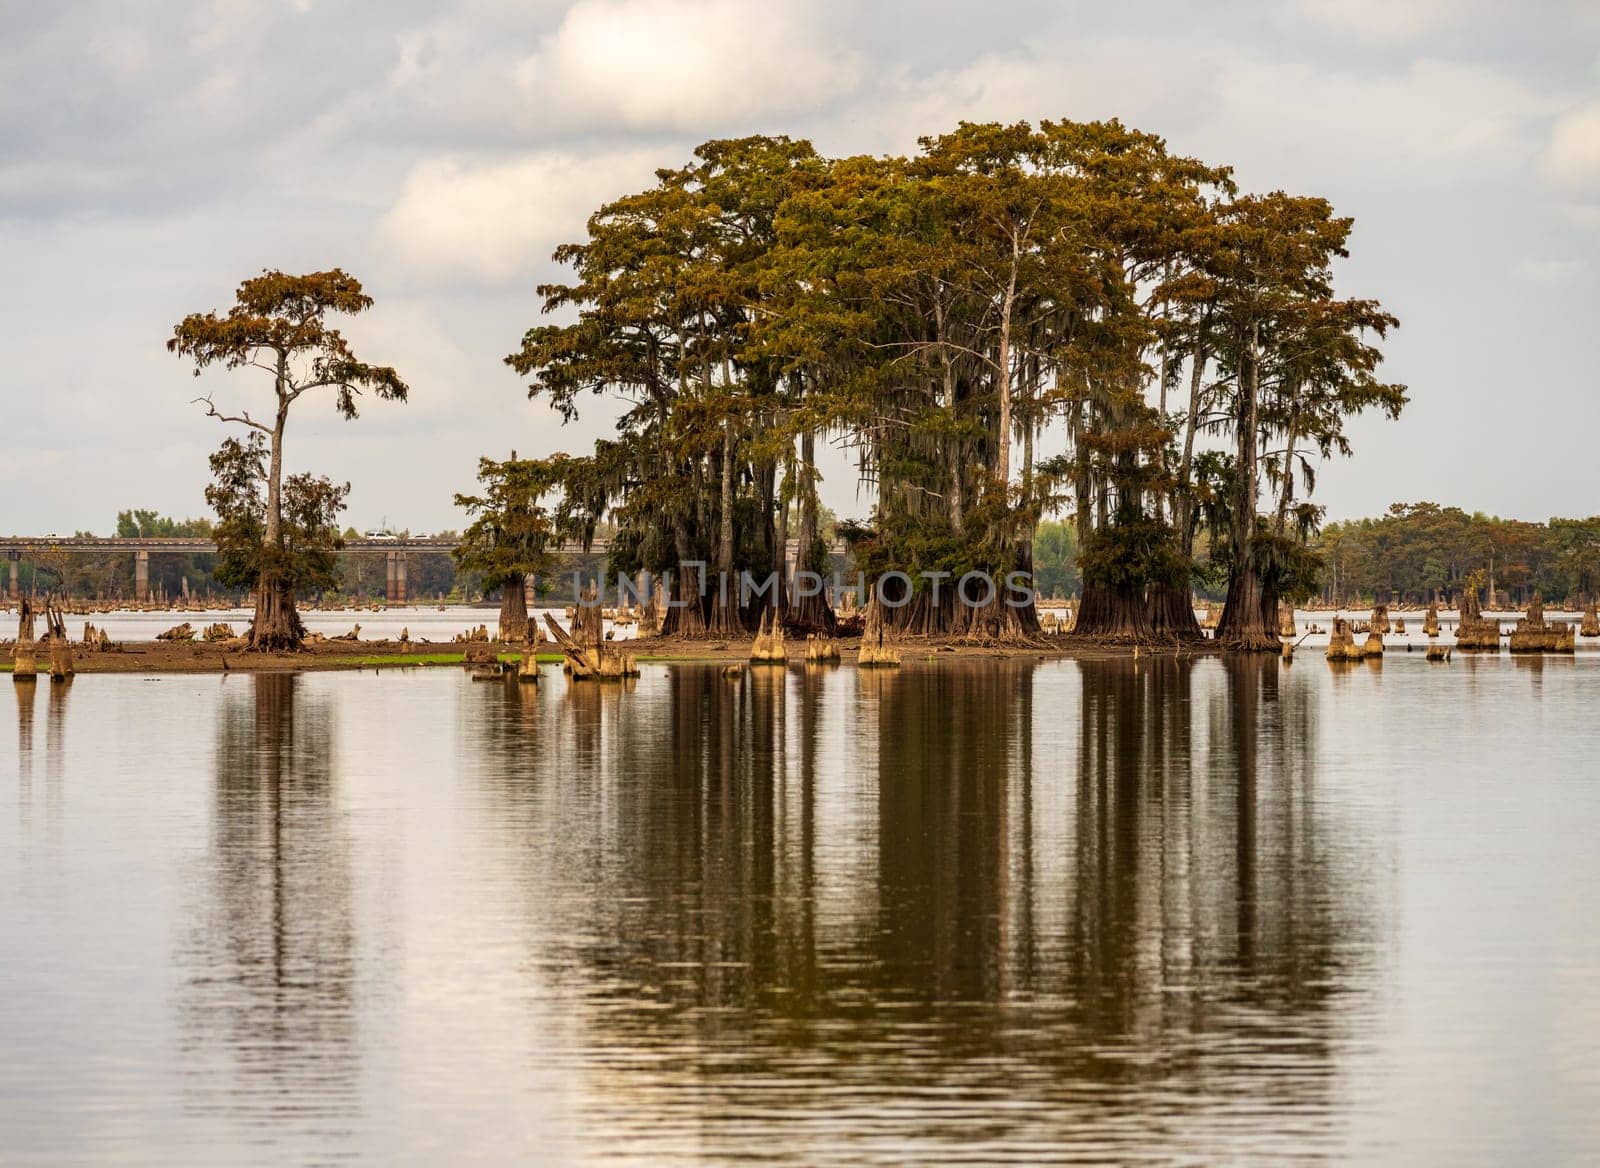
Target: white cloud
column 1281, row 122
column 1572, row 161
column 689, row 64
column 493, row 221
column 1549, row 271
column 1386, row 22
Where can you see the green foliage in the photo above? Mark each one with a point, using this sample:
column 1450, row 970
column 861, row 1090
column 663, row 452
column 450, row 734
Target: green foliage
column 1129, row 555
column 278, row 323
column 1055, row 559
column 309, row 535
column 510, row 533
column 141, row 524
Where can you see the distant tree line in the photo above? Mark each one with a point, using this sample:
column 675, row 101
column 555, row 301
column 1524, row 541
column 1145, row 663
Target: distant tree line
column 1420, row 550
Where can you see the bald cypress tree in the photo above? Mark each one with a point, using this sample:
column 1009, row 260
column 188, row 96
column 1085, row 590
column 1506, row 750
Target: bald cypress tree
column 279, row 326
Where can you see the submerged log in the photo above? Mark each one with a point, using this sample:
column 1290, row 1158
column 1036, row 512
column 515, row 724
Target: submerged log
column 769, row 647
column 183, row 632
column 1438, row 652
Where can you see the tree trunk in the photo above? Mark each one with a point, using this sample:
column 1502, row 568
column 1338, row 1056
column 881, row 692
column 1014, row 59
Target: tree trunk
column 1286, row 494
column 1113, row 615
column 685, row 617
column 780, row 598
column 1249, row 617
column 809, row 614
column 1172, row 613
column 276, row 627
column 1184, row 511
column 514, row 610
column 1002, row 375
column 1025, row 617
column 724, row 589
column 957, row 468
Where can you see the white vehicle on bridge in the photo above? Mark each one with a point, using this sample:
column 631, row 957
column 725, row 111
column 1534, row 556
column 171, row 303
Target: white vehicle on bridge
column 388, row 536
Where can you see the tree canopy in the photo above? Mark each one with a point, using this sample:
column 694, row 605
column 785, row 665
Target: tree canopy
column 1000, row 326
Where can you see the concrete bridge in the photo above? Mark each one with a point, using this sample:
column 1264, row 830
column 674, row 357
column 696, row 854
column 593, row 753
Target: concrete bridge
column 15, row 546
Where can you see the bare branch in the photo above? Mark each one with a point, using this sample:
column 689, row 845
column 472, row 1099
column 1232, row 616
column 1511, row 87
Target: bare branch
column 243, row 419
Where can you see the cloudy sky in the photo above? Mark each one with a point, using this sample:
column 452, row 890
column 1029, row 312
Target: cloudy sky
column 153, row 154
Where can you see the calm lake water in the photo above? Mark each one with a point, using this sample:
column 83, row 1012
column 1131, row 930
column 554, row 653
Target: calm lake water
column 1001, row 912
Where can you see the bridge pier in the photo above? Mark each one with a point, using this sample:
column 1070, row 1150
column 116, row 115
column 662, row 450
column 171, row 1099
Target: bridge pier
column 395, row 583
column 15, row 588
column 141, row 576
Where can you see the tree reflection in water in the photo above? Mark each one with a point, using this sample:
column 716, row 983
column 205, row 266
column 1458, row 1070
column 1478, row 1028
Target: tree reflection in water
column 1067, row 906
column 25, row 689
column 267, row 999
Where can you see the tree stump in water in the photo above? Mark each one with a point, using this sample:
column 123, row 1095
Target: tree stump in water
column 528, row 667
column 821, row 650
column 876, row 651
column 769, row 648
column 1591, row 622
column 24, row 657
column 591, row 659
column 1342, row 643
column 1380, row 619
column 1534, row 634
column 1474, row 631
column 1430, row 622
column 60, row 646
column 1286, row 621
column 183, row 632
